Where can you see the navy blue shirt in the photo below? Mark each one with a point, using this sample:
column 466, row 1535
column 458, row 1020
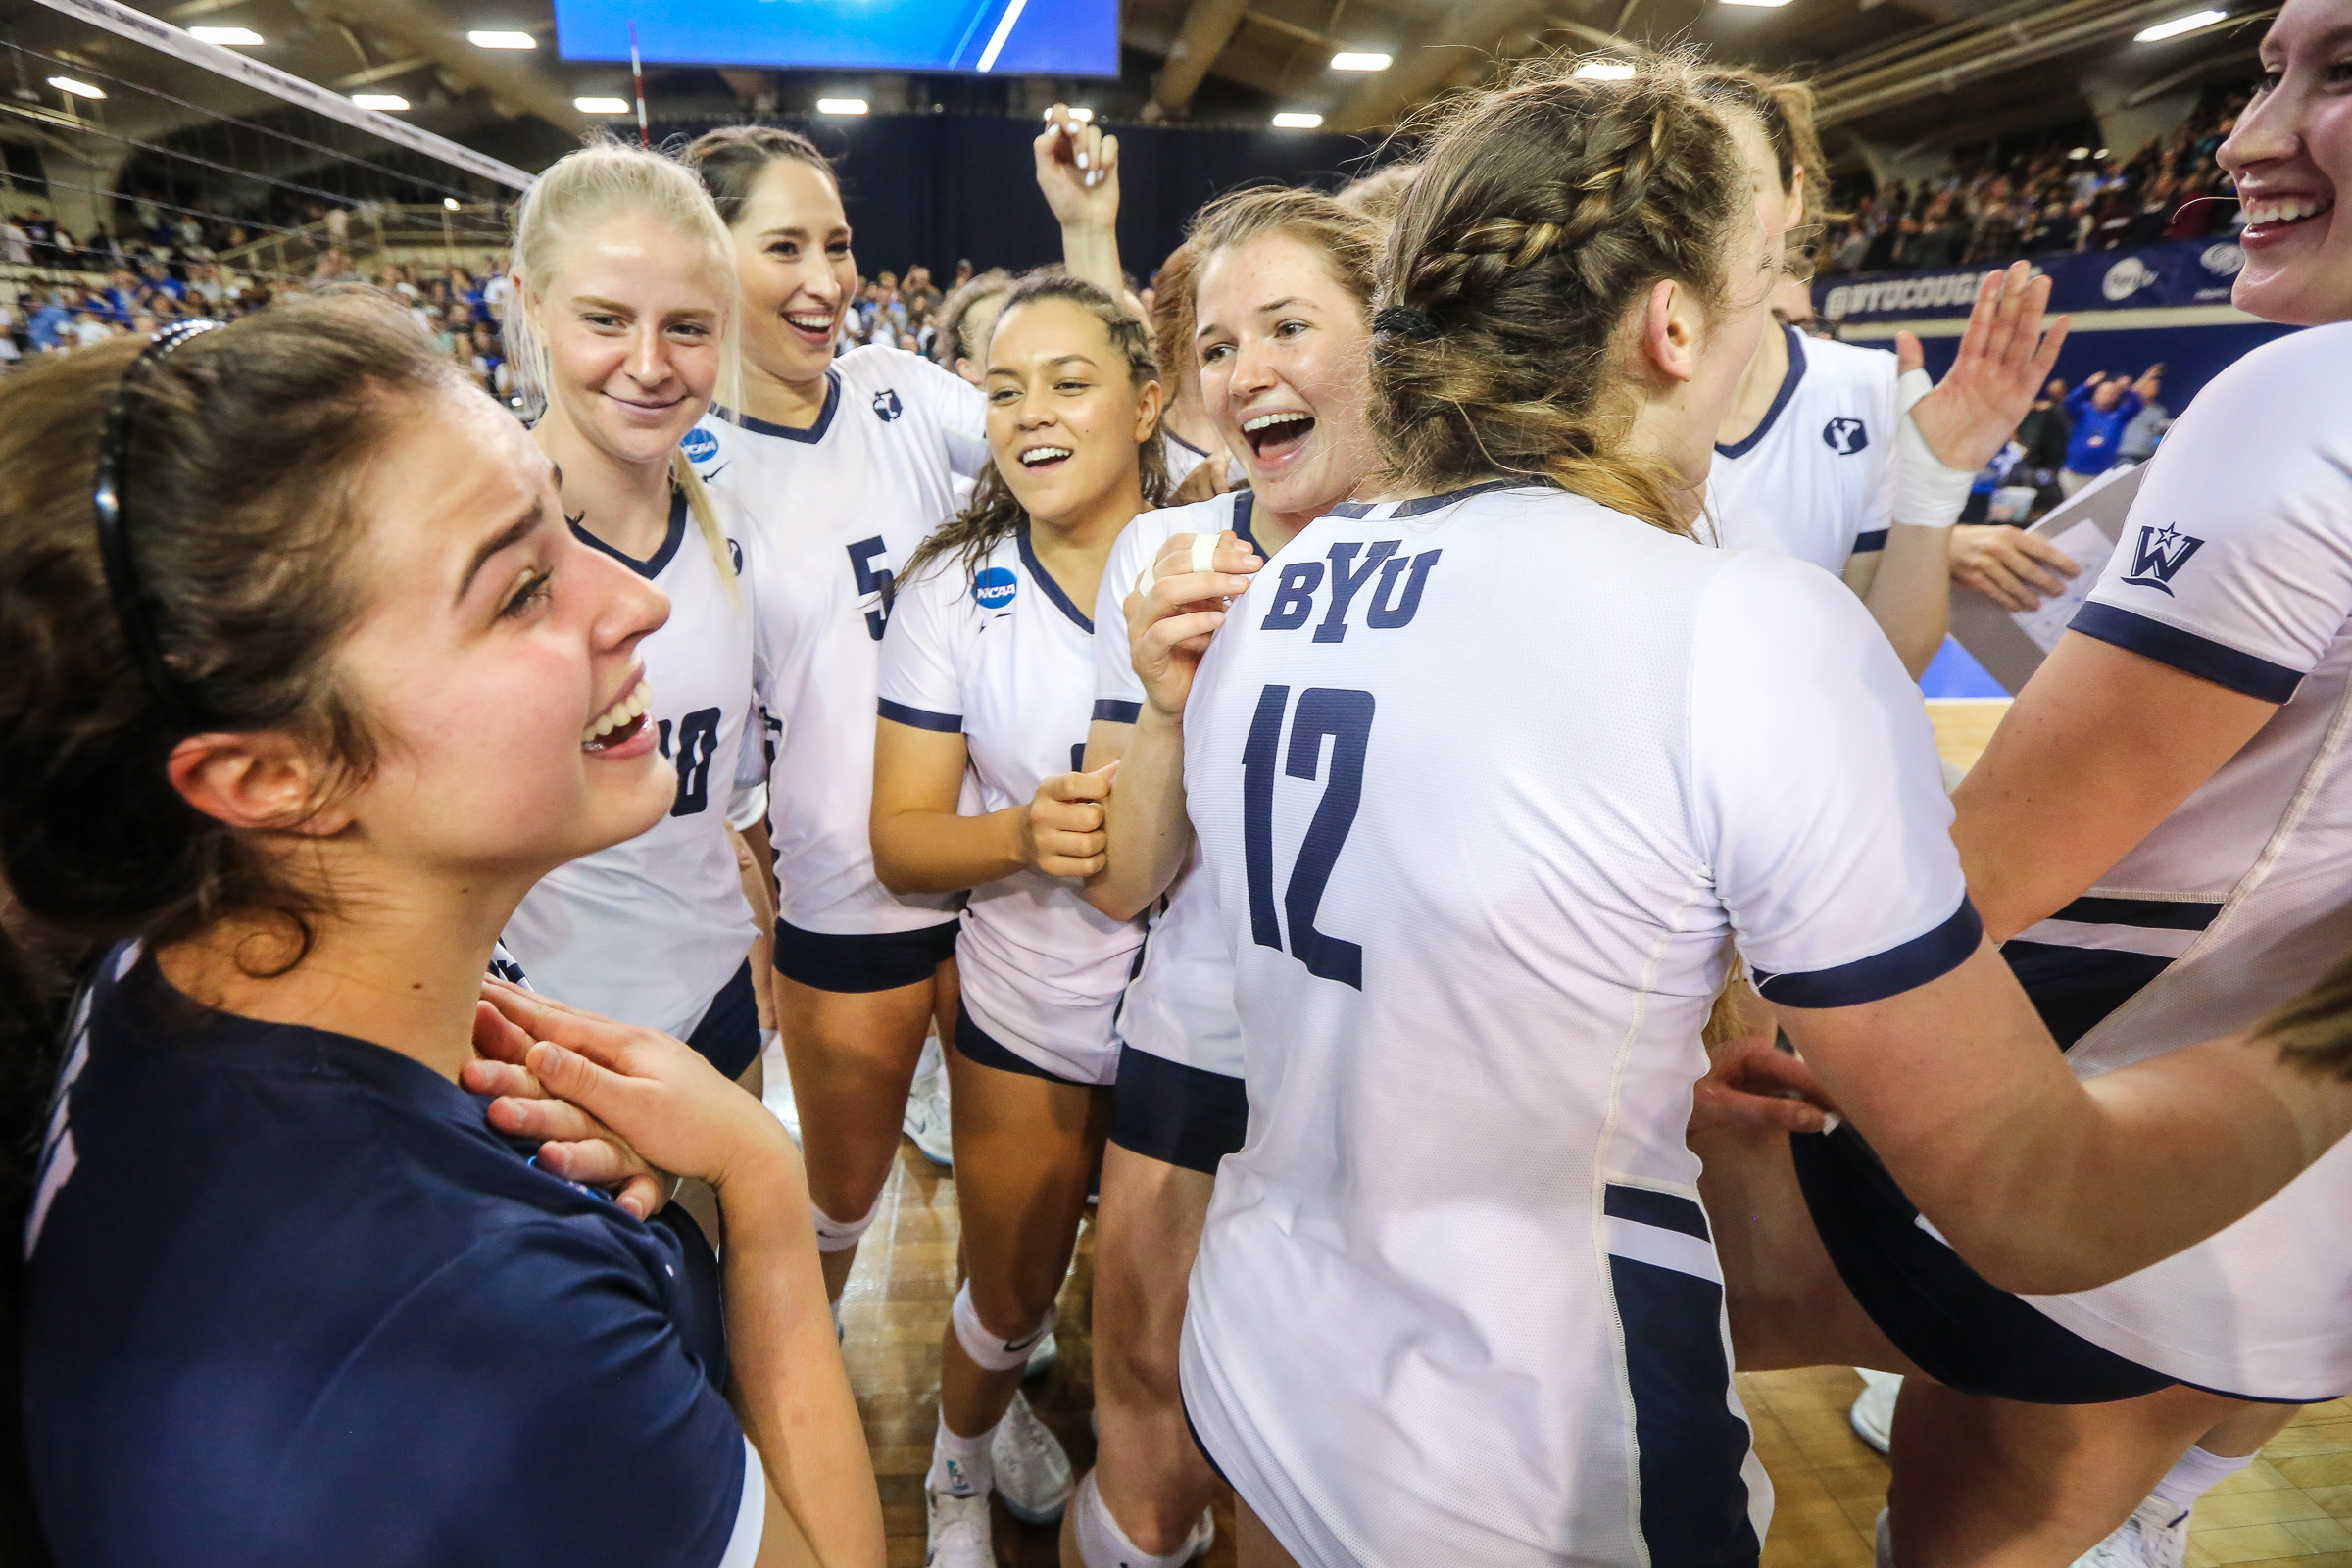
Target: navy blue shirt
column 2098, row 431
column 292, row 1302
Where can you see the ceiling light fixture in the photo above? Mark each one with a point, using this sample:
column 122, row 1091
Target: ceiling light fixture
column 449, row 202
column 242, row 37
column 1605, row 71
column 601, row 105
column 380, row 100
column 841, row 106
column 2179, row 26
column 79, row 90
column 1348, row 61
column 502, row 40
column 1755, row 2
column 1297, row 120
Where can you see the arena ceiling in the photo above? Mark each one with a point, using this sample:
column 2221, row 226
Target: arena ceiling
column 1903, row 76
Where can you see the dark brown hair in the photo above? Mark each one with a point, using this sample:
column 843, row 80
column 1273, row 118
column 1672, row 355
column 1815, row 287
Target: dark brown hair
column 995, row 511
column 955, row 312
column 238, row 505
column 731, row 159
column 1544, row 212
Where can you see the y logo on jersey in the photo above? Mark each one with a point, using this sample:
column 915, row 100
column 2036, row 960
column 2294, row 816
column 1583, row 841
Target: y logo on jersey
column 1844, row 436
column 699, row 445
column 2160, row 553
column 993, row 587
column 887, row 406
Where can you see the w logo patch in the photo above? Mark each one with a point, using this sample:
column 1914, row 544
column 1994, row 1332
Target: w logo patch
column 1844, row 436
column 2159, row 556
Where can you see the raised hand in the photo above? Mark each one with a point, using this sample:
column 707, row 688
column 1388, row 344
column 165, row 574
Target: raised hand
column 1078, row 170
column 1176, row 609
column 2005, row 356
column 1061, row 831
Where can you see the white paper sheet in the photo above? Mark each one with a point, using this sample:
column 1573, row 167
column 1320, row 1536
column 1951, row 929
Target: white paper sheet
column 2089, row 546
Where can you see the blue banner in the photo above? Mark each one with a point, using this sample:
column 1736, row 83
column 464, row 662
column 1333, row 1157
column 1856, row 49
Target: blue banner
column 2179, row 273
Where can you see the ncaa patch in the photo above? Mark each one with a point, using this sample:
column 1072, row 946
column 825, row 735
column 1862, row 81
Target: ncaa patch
column 1846, row 435
column 887, row 406
column 699, row 445
column 993, row 588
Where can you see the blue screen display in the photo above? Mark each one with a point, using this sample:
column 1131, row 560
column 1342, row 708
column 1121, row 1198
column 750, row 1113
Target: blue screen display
column 1018, row 37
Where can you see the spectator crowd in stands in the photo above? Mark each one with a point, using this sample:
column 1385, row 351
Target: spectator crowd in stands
column 2038, row 203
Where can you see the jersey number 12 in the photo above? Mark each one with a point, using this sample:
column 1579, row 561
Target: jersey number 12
column 1347, row 717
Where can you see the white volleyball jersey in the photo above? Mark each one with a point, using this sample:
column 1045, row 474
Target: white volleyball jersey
column 836, row 507
column 1180, row 1004
column 1816, row 479
column 1489, row 784
column 648, row 931
column 994, row 650
column 2236, row 566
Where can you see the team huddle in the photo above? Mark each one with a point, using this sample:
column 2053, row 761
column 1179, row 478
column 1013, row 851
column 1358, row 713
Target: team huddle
column 1399, row 764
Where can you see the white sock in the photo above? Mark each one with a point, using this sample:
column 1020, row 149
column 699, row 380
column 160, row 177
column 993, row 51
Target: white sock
column 1101, row 1543
column 960, row 1466
column 2198, row 1473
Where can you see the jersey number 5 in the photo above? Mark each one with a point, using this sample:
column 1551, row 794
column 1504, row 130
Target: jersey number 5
column 870, row 581
column 1347, row 717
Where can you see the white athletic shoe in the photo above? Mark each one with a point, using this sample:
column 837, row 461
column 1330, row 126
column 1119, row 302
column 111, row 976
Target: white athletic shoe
column 1873, row 1414
column 1042, row 1357
column 926, row 1118
column 1033, row 1472
column 2156, row 1536
column 959, row 1535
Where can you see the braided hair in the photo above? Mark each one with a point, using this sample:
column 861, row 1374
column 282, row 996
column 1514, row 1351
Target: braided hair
column 1544, row 214
column 995, row 511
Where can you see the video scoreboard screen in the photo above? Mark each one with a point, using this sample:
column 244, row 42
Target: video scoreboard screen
column 1017, row 37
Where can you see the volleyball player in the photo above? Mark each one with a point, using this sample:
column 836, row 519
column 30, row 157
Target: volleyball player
column 624, row 326
column 1280, row 337
column 314, row 684
column 2153, row 828
column 987, row 680
column 1824, row 456
column 1456, row 1300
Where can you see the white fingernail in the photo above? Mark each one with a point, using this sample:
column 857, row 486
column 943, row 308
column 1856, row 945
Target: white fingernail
column 1830, row 1121
column 1082, row 159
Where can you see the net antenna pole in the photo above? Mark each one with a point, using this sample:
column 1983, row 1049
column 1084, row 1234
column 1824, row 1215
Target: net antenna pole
column 637, row 75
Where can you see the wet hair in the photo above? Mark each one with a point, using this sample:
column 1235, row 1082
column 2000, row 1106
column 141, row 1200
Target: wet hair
column 605, row 180
column 954, row 342
column 995, row 511
column 731, row 159
column 1784, row 106
column 1349, row 242
column 239, row 492
column 1544, row 212
column 2314, row 1032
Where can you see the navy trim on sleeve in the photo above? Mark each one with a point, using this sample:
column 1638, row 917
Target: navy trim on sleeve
column 1873, row 539
column 1903, row 968
column 921, row 717
column 1780, row 400
column 2187, row 652
column 1111, row 711
column 810, row 436
column 1646, row 1205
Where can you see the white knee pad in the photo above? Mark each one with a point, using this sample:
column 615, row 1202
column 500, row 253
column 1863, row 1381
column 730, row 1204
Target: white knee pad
column 840, row 1235
column 988, row 1352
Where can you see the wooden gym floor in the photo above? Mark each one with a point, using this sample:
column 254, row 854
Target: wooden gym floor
column 2291, row 1507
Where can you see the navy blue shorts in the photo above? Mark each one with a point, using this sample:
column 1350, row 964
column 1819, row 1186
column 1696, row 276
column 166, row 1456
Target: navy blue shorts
column 973, row 1043
column 1962, row 1331
column 868, row 960
column 1177, row 1115
column 729, row 1033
